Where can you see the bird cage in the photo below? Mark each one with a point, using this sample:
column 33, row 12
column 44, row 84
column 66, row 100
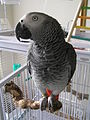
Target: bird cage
column 9, row 60
column 75, row 97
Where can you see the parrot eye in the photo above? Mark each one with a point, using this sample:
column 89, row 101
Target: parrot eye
column 35, row 18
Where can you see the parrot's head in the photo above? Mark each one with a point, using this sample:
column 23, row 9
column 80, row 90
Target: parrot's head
column 39, row 27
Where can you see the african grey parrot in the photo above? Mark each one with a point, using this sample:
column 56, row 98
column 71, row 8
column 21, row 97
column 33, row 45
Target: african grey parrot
column 52, row 61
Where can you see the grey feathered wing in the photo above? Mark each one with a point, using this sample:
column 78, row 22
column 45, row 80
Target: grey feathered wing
column 72, row 59
column 28, row 57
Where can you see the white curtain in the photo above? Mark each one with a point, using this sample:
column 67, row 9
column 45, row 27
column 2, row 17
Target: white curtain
column 10, row 1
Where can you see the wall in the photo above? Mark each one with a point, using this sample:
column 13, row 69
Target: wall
column 62, row 10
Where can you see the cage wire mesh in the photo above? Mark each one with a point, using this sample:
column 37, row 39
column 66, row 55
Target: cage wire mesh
column 8, row 59
column 74, row 98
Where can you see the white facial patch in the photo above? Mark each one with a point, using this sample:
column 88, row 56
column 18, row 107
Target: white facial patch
column 22, row 18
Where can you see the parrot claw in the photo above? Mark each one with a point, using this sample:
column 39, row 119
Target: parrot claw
column 54, row 104
column 43, row 103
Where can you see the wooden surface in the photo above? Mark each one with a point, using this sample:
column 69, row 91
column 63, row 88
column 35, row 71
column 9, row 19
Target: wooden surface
column 74, row 21
column 84, row 17
column 84, row 13
column 83, row 27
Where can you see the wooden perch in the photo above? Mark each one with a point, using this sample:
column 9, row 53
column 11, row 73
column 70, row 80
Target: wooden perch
column 27, row 103
column 80, row 96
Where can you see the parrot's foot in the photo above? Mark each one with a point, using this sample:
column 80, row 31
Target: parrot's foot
column 43, row 103
column 53, row 104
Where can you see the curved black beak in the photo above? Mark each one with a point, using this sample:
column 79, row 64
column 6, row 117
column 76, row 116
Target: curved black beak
column 22, row 32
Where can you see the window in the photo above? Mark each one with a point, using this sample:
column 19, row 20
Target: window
column 5, row 13
column 10, row 1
